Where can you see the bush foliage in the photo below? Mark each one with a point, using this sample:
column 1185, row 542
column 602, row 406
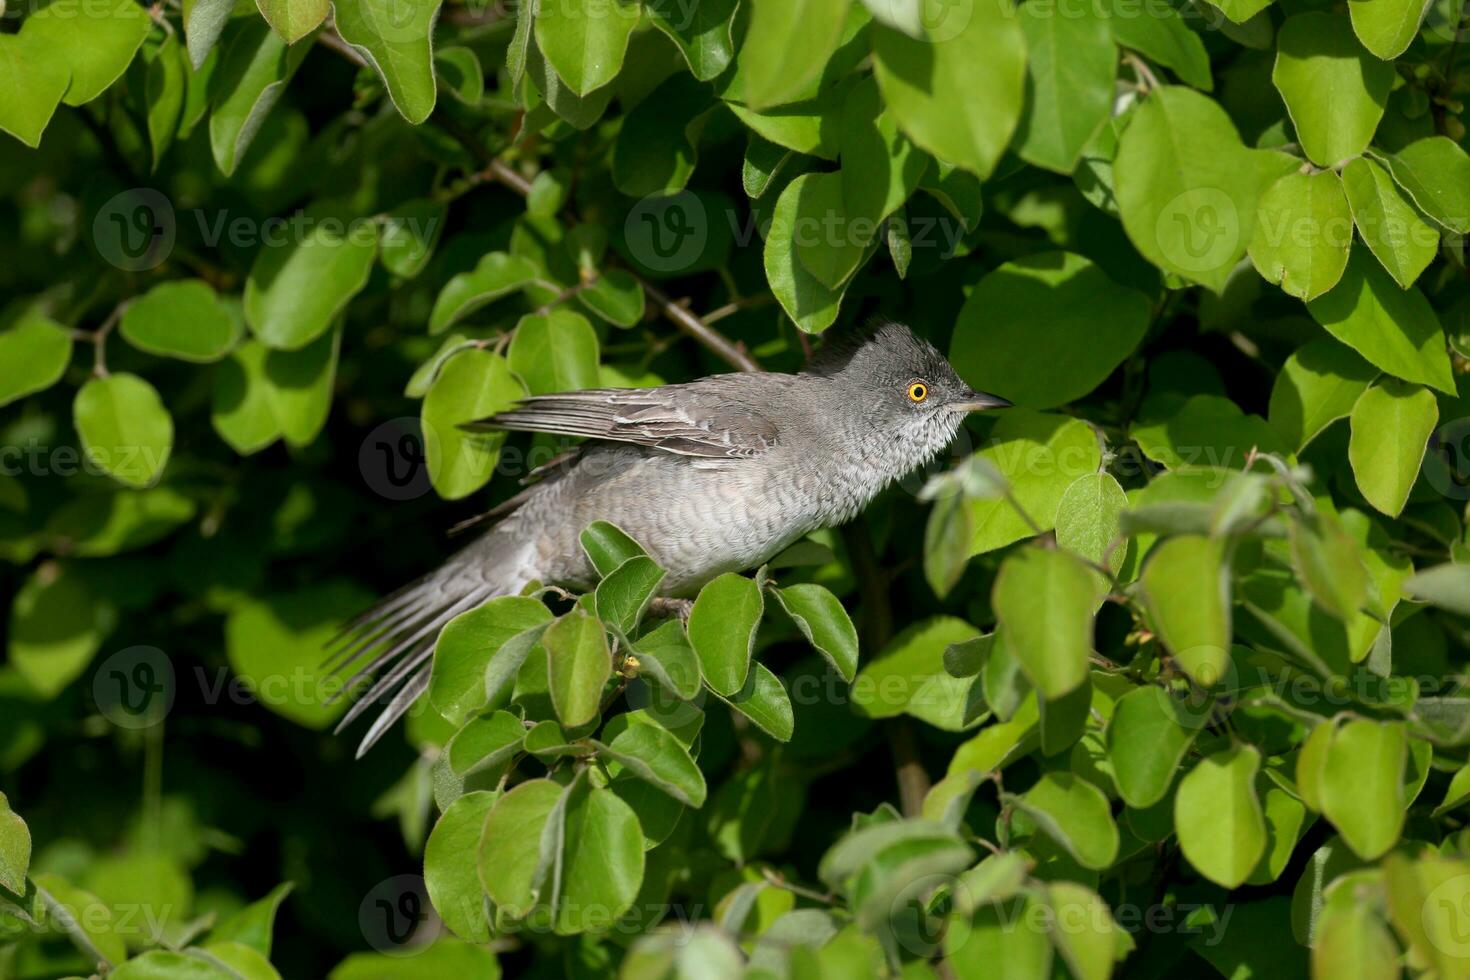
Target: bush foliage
column 1158, row 673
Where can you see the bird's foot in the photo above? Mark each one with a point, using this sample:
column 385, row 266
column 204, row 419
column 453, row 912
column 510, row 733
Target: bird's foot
column 666, row 608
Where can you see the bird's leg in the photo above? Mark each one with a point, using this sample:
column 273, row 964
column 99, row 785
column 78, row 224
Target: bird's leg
column 667, row 608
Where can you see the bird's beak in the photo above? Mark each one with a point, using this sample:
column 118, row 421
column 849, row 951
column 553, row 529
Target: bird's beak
column 978, row 401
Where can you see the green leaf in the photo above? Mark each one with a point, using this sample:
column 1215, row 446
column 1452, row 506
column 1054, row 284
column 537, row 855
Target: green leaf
column 1304, row 232
column 254, row 68
column 1352, row 939
column 1327, row 560
column 510, row 844
column 585, row 43
column 988, row 945
column 763, row 699
column 56, row 627
column 880, row 167
column 297, row 288
column 1040, row 456
column 1394, row 329
column 1218, row 817
column 486, row 743
column 204, row 21
column 1333, row 89
column 396, row 40
column 578, row 664
column 15, row 848
column 84, row 918
column 165, row 86
column 1391, row 425
column 722, row 628
column 241, row 410
column 181, row 318
column 299, row 387
column 616, row 296
column 1089, row 522
column 1093, row 324
column 1387, row 26
column 1186, row 585
column 452, row 882
column 1044, row 600
column 825, row 624
column 1076, row 815
column 703, row 33
column 1164, row 37
column 444, row 957
column 579, row 111
column 773, row 70
column 253, row 925
column 603, row 863
column 947, row 537
column 1388, row 221
column 623, row 596
column 409, row 234
column 1240, row 11
column 124, row 428
column 472, row 385
column 556, row 351
column 1363, row 785
column 1148, row 736
column 1446, row 586
column 35, row 351
column 34, row 79
column 1436, row 173
column 1285, row 817
column 655, row 756
column 1070, row 65
column 908, row 677
column 958, row 93
column 294, row 19
column 608, row 546
column 664, row 652
column 811, row 305
column 281, row 637
column 1186, row 186
column 494, row 276
column 845, row 240
column 656, row 150
column 97, row 52
column 1319, row 384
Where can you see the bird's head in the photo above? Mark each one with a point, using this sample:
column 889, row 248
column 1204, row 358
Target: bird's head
column 905, row 387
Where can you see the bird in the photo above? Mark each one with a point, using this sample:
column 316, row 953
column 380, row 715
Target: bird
column 714, row 475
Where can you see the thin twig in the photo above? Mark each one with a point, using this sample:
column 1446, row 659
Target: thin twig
column 329, row 38
column 1144, row 72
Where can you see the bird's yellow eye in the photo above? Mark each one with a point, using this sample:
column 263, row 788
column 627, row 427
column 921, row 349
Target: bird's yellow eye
column 918, row 391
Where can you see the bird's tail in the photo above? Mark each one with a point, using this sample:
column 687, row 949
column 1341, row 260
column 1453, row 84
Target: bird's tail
column 394, row 639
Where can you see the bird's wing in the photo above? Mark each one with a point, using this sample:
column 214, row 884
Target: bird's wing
column 713, row 418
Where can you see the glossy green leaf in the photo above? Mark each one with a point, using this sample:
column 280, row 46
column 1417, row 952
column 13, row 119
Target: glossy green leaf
column 1391, row 426
column 655, row 756
column 763, row 699
column 775, row 71
column 472, row 385
column 1388, row 222
column 1164, row 37
column 1044, row 599
column 510, row 844
column 1092, row 324
column 299, row 386
column 1070, row 64
column 181, row 318
column 35, row 82
column 585, row 42
column 125, row 428
column 616, row 296
column 1436, row 173
column 578, row 665
column 1319, row 384
column 1075, row 814
column 165, row 86
column 1218, row 816
column 298, row 287
column 294, row 19
column 1304, row 232
column 452, row 882
column 607, row 546
column 1089, row 521
column 409, row 235
column 880, row 167
column 1363, row 785
column 1040, row 456
column 241, row 411
column 396, row 40
column 722, row 627
column 36, row 352
column 97, row 49
column 255, row 66
column 988, row 945
column 253, row 925
column 1148, row 736
column 825, row 624
column 1334, row 89
column 703, row 33
column 623, row 596
column 556, row 351
column 496, row 275
column 1186, row 586
column 1446, row 586
column 1353, row 941
column 665, row 654
column 958, row 93
column 56, row 626
column 485, row 743
column 1327, row 560
column 15, row 848
column 1394, row 329
column 83, row 918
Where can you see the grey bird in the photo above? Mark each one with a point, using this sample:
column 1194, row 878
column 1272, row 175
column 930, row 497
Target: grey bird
column 712, row 476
